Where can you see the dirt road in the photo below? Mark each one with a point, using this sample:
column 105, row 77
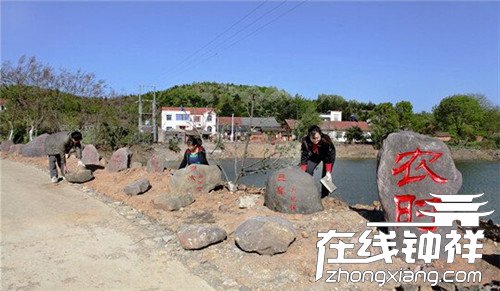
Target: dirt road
column 55, row 237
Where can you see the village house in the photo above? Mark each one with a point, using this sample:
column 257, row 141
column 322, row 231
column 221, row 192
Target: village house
column 331, row 125
column 261, row 128
column 2, row 104
column 189, row 119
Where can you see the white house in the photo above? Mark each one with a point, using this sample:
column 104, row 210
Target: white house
column 189, row 118
column 332, row 116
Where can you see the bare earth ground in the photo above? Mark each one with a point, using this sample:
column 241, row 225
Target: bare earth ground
column 226, row 266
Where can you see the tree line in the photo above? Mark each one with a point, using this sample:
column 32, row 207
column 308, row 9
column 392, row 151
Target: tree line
column 42, row 99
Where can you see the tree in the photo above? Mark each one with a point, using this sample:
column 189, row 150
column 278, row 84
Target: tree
column 326, row 103
column 461, row 115
column 423, row 123
column 308, row 118
column 354, row 134
column 384, row 121
column 404, row 109
column 39, row 97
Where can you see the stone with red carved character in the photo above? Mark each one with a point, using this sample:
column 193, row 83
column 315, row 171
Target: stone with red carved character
column 291, row 190
column 120, row 160
column 410, row 167
column 36, row 147
column 196, row 179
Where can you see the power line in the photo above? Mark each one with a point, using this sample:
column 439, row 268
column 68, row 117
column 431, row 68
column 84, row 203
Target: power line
column 245, row 37
column 242, row 29
column 214, row 39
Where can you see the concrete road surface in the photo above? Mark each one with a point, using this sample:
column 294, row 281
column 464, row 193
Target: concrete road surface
column 55, row 237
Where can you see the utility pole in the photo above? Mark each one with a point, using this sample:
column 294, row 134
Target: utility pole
column 152, row 124
column 232, row 127
column 140, row 108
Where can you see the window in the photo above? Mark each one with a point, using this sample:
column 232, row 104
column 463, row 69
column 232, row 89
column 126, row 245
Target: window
column 182, row 127
column 182, row 117
column 197, row 118
column 169, row 116
column 209, row 129
column 169, row 128
column 209, row 117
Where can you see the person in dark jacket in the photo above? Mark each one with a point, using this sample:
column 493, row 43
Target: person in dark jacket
column 317, row 147
column 195, row 153
column 57, row 145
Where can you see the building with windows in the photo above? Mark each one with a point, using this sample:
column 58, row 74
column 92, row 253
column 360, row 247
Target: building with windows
column 188, row 119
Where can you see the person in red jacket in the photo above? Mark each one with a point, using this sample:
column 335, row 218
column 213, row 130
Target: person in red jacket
column 317, row 147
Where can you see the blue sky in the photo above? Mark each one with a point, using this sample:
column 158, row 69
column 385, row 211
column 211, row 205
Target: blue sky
column 369, row 51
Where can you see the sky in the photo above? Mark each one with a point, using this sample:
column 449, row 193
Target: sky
column 368, row 50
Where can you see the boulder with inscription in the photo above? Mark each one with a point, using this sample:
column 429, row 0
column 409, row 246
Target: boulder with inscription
column 411, row 166
column 196, row 179
column 90, row 155
column 120, row 160
column 291, row 190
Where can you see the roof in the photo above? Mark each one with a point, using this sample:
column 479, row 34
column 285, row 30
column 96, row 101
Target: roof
column 344, row 125
column 291, row 123
column 333, row 125
column 2, row 102
column 263, row 122
column 226, row 120
column 192, row 110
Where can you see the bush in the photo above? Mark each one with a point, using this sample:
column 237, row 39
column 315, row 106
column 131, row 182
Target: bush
column 173, row 145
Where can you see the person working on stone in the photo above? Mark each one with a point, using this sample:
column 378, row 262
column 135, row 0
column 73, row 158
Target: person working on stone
column 195, row 153
column 317, row 147
column 57, row 145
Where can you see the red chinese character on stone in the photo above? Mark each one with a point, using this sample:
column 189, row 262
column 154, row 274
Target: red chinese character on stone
column 407, row 209
column 421, row 204
column 292, row 207
column 281, row 190
column 404, row 210
column 281, row 177
column 192, row 177
column 406, row 167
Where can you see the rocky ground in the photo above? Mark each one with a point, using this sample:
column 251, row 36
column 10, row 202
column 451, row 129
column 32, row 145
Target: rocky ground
column 227, row 266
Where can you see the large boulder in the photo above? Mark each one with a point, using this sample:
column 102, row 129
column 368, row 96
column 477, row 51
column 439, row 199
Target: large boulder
column 291, row 190
column 120, row 160
column 265, row 235
column 36, row 147
column 79, row 176
column 137, row 187
column 5, row 146
column 90, row 156
column 196, row 179
column 194, row 237
column 156, row 163
column 172, row 202
column 410, row 167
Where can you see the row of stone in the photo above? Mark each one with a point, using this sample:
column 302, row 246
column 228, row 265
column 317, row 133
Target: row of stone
column 262, row 235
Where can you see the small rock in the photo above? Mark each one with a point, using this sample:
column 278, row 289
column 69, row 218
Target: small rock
column 304, row 234
column 173, row 202
column 16, row 149
column 157, row 163
column 5, row 146
column 82, row 175
column 248, row 201
column 194, row 237
column 265, row 235
column 135, row 165
column 103, row 162
column 138, row 187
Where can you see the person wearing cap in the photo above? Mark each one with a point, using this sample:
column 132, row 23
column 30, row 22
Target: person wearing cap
column 317, row 147
column 57, row 145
